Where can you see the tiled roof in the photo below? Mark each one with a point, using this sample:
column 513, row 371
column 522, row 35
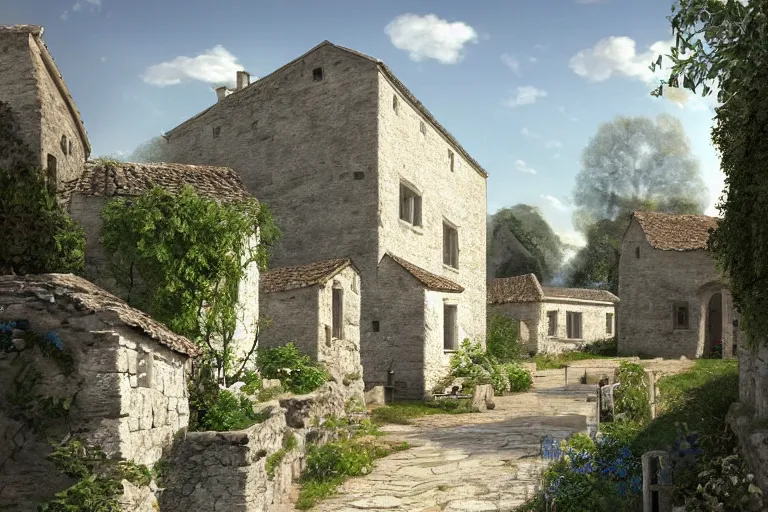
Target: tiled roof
column 89, row 297
column 302, row 276
column 391, row 76
column 429, row 280
column 129, row 179
column 579, row 294
column 675, row 232
column 526, row 288
column 523, row 288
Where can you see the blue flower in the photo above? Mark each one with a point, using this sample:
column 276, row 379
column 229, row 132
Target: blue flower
column 7, row 327
column 54, row 339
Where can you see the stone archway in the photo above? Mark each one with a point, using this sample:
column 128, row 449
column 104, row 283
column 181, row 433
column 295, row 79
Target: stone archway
column 716, row 320
column 713, row 334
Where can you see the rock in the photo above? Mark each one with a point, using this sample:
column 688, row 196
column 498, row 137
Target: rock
column 138, row 499
column 471, row 506
column 683, row 358
column 375, row 396
column 20, row 344
column 270, row 383
column 377, row 502
column 490, row 405
column 483, row 393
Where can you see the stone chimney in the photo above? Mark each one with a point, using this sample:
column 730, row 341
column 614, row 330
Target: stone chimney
column 243, row 79
column 221, row 93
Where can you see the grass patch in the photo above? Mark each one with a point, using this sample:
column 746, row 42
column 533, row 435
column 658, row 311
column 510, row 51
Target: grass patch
column 402, row 412
column 555, row 362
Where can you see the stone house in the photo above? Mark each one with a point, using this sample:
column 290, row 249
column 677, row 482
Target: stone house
column 354, row 166
column 126, row 382
column 674, row 301
column 102, row 182
column 41, row 126
column 553, row 319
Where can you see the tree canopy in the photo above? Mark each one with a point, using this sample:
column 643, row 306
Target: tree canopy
column 154, row 150
column 721, row 45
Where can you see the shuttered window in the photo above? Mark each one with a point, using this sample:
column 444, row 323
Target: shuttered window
column 410, row 205
column 573, row 325
column 450, row 246
column 338, row 313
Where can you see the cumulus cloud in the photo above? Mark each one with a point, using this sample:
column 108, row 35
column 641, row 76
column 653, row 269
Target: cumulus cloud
column 511, row 62
column 521, row 166
column 430, row 37
column 619, row 57
column 216, row 67
column 95, row 5
column 528, row 133
column 555, row 202
column 525, row 95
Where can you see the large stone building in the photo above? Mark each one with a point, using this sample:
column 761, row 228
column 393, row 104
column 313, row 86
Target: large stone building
column 354, row 166
column 40, row 125
column 551, row 319
column 674, row 301
column 101, row 182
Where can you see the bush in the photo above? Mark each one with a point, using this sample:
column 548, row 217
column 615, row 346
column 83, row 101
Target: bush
column 607, row 347
column 297, row 372
column 501, row 340
column 229, row 412
column 631, row 397
column 519, row 378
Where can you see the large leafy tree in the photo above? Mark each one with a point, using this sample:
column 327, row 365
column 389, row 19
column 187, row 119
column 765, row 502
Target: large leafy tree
column 152, row 151
column 632, row 163
column 722, row 45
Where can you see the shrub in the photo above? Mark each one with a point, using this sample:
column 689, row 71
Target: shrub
column 501, row 340
column 631, row 397
column 297, row 372
column 519, row 378
column 607, row 347
column 229, row 412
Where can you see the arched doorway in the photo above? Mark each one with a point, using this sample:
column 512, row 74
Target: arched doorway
column 714, row 333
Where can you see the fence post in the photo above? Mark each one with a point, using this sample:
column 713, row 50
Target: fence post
column 566, row 375
column 651, row 375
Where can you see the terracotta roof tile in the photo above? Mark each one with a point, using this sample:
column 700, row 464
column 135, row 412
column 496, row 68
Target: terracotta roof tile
column 302, row 276
column 89, row 297
column 131, row 179
column 429, row 280
column 523, row 288
column 579, row 294
column 675, row 232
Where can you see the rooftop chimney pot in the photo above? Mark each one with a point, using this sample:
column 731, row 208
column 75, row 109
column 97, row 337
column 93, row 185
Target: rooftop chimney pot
column 243, row 79
column 221, row 93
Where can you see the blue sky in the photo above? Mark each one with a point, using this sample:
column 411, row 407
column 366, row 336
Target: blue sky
column 522, row 84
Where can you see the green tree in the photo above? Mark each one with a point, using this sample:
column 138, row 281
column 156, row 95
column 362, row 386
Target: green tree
column 154, row 150
column 721, row 45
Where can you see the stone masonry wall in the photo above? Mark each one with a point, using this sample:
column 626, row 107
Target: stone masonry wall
column 116, row 404
column 248, row 306
column 648, row 288
column 593, row 322
column 436, row 358
column 18, row 88
column 457, row 197
column 529, row 316
column 226, row 471
column 293, row 318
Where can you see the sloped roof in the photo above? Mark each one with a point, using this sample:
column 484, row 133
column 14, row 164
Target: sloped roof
column 302, row 276
column 89, row 297
column 675, row 232
column 131, row 179
column 387, row 73
column 526, row 288
column 429, row 280
column 36, row 31
column 516, row 289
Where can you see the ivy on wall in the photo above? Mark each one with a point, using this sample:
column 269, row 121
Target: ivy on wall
column 181, row 258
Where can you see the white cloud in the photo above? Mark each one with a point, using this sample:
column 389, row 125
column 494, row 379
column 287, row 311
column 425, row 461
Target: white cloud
column 216, row 67
column 78, row 6
column 430, row 37
column 528, row 133
column 553, row 144
column 511, row 62
column 525, row 95
column 555, row 202
column 618, row 56
column 524, row 167
column 65, row 15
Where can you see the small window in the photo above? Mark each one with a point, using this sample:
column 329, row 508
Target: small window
column 450, row 246
column 69, row 147
column 609, row 323
column 450, row 159
column 358, row 175
column 422, row 128
column 52, row 172
column 680, row 315
column 450, row 327
column 317, row 74
column 64, row 144
column 144, row 369
column 395, row 103
column 375, row 326
column 338, row 313
column 410, row 205
column 552, row 319
column 573, row 325
column 637, row 252
column 216, row 132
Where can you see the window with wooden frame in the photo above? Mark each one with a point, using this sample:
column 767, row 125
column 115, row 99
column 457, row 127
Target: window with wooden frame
column 609, row 323
column 680, row 316
column 450, row 327
column 552, row 323
column 410, row 205
column 450, row 246
column 573, row 325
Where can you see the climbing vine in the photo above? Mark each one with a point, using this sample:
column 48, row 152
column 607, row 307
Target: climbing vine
column 38, row 236
column 181, row 258
column 720, row 46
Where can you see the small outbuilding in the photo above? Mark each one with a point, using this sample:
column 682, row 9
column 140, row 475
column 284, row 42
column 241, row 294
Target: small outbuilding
column 76, row 361
column 553, row 319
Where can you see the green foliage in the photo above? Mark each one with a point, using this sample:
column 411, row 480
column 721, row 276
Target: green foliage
column 720, row 46
column 274, row 460
column 501, row 339
column 518, row 377
column 216, row 409
column 475, row 367
column 181, row 258
column 98, row 487
column 38, row 236
column 155, row 150
column 296, row 371
column 403, row 412
column 600, row 349
column 631, row 397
